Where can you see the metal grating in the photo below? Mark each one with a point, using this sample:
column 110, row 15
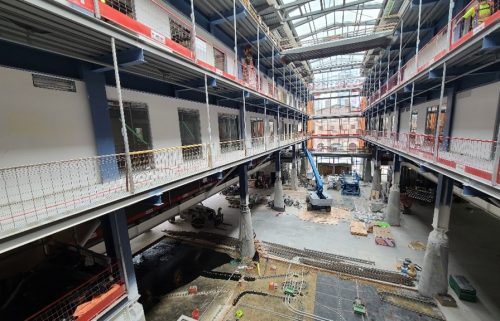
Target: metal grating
column 53, row 83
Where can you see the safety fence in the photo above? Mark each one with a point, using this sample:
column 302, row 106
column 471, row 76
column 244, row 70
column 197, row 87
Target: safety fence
column 157, row 21
column 444, row 42
column 33, row 194
column 86, row 301
column 472, row 157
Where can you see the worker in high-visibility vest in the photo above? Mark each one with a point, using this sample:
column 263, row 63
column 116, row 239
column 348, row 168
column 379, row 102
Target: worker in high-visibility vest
column 482, row 10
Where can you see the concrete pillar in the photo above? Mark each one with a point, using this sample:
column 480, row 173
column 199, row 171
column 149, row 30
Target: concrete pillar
column 303, row 167
column 434, row 275
column 293, row 175
column 377, row 177
column 393, row 211
column 279, row 202
column 367, row 171
column 247, row 248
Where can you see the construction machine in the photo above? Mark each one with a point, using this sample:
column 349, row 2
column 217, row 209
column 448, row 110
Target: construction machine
column 316, row 200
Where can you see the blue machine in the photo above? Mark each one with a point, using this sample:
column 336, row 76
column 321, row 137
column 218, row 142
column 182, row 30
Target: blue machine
column 349, row 183
column 317, row 200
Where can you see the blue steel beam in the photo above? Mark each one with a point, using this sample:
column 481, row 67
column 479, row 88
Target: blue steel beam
column 128, row 57
column 228, row 15
column 492, row 41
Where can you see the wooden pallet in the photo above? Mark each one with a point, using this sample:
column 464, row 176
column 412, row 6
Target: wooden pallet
column 358, row 228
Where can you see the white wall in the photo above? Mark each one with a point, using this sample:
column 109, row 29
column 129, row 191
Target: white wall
column 42, row 125
column 475, row 112
column 156, row 18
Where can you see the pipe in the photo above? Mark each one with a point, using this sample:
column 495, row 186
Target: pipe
column 477, row 201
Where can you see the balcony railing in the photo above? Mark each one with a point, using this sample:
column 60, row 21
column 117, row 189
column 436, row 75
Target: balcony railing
column 438, row 47
column 472, row 157
column 33, row 194
column 337, row 133
column 86, row 301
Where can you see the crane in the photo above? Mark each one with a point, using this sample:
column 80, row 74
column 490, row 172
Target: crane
column 316, row 200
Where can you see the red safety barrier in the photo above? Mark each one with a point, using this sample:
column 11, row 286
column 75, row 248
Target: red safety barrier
column 86, row 301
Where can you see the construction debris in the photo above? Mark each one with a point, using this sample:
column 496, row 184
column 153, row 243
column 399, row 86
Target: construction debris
column 383, row 236
column 333, row 217
column 417, row 246
column 358, row 228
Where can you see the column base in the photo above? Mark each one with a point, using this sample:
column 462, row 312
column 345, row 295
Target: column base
column 247, row 249
column 434, row 276
column 393, row 210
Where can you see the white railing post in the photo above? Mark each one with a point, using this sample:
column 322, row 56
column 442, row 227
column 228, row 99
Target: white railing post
column 418, row 34
column 438, row 118
column 193, row 26
column 209, row 127
column 236, row 74
column 122, row 118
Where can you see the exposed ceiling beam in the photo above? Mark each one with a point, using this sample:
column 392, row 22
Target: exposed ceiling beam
column 338, row 25
column 292, row 5
column 338, row 67
column 310, row 16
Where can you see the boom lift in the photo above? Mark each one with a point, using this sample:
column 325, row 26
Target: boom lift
column 317, row 200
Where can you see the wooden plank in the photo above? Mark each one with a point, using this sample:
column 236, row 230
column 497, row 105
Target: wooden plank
column 358, row 228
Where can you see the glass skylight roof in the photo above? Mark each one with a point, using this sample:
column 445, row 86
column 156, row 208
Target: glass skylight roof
column 326, row 24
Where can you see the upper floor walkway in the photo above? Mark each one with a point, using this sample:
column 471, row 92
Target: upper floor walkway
column 38, row 194
column 464, row 39
column 158, row 41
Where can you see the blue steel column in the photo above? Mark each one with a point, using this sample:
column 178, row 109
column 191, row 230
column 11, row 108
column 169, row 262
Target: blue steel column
column 95, row 84
column 434, row 276
column 246, row 228
column 117, row 245
column 279, row 202
column 393, row 212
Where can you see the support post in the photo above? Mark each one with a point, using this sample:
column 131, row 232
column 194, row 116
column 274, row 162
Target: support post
column 293, row 175
column 418, row 33
column 434, row 276
column 209, row 127
column 438, row 119
column 236, row 73
column 266, row 125
column 367, row 172
column 400, row 51
column 258, row 57
column 279, row 202
column 243, row 123
column 247, row 248
column 117, row 243
column 272, row 66
column 193, row 26
column 128, row 160
column 411, row 108
column 393, row 211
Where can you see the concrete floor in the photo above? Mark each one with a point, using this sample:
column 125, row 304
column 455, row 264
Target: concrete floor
column 474, row 246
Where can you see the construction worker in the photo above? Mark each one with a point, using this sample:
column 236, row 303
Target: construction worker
column 477, row 14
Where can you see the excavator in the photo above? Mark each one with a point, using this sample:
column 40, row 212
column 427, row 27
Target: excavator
column 316, row 200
